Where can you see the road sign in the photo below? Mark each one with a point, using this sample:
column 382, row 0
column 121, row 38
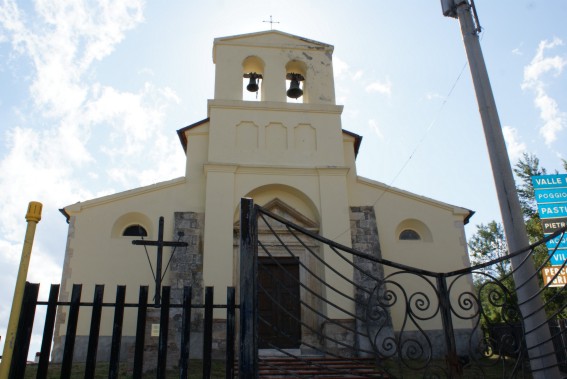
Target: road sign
column 548, row 276
column 551, row 195
column 549, row 181
column 560, row 242
column 551, row 225
column 558, row 257
column 552, row 210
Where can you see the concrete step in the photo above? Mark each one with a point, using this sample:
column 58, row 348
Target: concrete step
column 318, row 367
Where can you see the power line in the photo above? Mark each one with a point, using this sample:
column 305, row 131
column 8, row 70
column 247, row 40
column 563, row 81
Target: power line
column 419, row 143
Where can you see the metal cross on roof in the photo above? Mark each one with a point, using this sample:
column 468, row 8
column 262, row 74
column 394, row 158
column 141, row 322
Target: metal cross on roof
column 272, row 22
column 160, row 243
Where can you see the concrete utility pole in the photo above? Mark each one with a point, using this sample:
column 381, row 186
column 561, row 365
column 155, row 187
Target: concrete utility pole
column 538, row 338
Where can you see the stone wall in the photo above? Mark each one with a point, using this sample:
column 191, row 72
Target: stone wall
column 185, row 269
column 372, row 319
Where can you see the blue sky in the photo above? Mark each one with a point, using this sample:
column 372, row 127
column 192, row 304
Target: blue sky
column 92, row 92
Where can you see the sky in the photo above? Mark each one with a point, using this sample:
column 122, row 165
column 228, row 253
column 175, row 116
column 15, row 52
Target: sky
column 92, row 93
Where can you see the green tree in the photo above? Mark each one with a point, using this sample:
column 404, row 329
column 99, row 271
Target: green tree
column 488, row 244
column 489, row 241
column 525, row 168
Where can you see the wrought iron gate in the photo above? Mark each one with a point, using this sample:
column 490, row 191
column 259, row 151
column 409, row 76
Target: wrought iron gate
column 367, row 317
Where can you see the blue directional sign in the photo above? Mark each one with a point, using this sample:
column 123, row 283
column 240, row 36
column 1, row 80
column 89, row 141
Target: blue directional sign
column 552, row 210
column 559, row 245
column 549, row 181
column 558, row 258
column 560, row 242
column 551, row 196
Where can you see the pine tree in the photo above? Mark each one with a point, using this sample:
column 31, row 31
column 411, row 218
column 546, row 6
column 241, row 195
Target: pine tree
column 489, row 241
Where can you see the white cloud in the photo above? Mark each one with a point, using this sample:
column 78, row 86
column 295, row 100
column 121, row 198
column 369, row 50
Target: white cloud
column 54, row 154
column 50, row 271
column 540, row 64
column 63, row 41
column 513, row 144
column 376, row 128
column 357, row 75
column 340, row 67
column 433, row 96
column 518, row 50
column 553, row 118
column 384, row 88
column 342, row 70
column 352, row 113
column 146, row 71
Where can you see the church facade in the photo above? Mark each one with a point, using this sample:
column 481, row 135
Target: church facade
column 290, row 156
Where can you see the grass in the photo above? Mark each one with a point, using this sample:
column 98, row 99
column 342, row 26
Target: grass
column 78, row 370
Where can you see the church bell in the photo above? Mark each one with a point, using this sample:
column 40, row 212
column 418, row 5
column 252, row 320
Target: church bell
column 294, row 90
column 253, row 84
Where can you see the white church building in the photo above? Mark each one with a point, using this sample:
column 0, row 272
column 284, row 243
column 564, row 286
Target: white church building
column 292, row 156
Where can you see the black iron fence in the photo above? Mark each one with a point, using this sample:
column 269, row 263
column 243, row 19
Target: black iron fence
column 135, row 366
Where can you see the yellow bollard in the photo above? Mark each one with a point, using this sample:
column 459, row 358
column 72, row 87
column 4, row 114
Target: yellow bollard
column 32, row 217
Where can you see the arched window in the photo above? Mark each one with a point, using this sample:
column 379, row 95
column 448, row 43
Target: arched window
column 295, row 81
column 412, row 229
column 135, row 231
column 132, row 224
column 252, row 69
column 409, row 235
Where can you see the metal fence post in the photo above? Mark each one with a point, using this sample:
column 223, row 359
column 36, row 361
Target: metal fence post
column 208, row 332
column 185, row 332
column 140, row 333
column 117, row 325
column 248, row 362
column 70, row 335
column 24, row 331
column 230, row 313
column 48, row 332
column 94, row 333
column 454, row 366
column 163, row 332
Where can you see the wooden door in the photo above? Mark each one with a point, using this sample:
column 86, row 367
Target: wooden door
column 278, row 303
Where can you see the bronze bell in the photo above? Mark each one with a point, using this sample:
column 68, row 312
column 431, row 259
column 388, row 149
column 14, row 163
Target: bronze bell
column 294, row 90
column 253, row 84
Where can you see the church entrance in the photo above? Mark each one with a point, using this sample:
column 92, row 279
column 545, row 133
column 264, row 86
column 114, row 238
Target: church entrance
column 283, row 260
column 278, row 303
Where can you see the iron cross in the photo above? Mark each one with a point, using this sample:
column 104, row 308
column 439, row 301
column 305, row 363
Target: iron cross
column 160, row 243
column 272, row 22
